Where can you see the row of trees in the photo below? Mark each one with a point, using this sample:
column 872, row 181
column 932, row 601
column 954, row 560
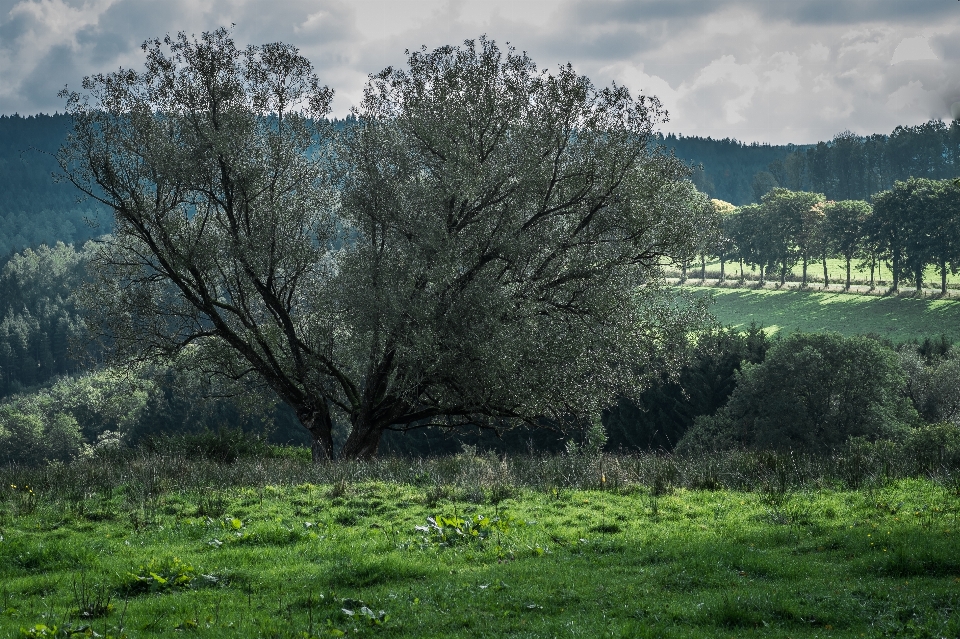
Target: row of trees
column 913, row 225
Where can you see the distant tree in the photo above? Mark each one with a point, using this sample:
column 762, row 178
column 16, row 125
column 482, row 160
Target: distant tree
column 915, row 225
column 763, row 183
column 844, row 228
column 482, row 247
column 939, row 209
column 722, row 244
column 793, row 219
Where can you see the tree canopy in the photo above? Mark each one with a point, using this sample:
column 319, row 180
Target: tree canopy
column 482, row 246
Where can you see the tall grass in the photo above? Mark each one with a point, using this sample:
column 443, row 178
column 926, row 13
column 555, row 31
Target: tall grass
column 141, row 475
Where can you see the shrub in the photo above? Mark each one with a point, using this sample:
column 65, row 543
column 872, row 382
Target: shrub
column 29, row 438
column 812, row 392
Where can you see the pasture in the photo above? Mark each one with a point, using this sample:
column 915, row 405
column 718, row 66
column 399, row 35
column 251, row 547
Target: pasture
column 896, row 318
column 468, row 546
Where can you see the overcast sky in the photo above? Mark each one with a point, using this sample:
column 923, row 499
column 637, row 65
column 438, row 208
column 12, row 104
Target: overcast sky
column 764, row 70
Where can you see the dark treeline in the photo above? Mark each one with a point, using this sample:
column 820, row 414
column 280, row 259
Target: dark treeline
column 725, row 169
column 854, row 167
column 34, row 209
column 848, row 167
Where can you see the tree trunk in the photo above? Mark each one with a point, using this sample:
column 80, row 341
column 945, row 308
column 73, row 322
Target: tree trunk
column 943, row 277
column 703, row 268
column 683, row 272
column 873, row 267
column 919, row 278
column 848, row 274
column 722, row 274
column 762, row 268
column 320, row 425
column 803, row 283
column 741, row 270
column 896, row 271
column 364, row 440
column 783, row 273
column 826, row 273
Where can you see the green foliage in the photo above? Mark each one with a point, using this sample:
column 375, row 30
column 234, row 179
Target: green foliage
column 28, row 439
column 812, row 392
column 157, row 576
column 660, row 416
column 451, row 530
column 934, row 447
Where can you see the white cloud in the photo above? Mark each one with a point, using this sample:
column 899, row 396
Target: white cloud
column 916, row 48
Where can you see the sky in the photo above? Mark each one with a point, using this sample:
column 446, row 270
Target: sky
column 773, row 71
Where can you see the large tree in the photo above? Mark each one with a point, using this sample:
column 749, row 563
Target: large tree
column 482, row 245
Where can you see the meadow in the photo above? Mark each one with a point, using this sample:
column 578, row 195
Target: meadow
column 859, row 544
column 836, row 271
column 895, row 318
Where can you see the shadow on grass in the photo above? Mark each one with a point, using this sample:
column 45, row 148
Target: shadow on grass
column 896, row 318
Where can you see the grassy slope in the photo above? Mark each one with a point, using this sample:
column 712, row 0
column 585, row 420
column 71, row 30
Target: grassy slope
column 287, row 561
column 897, row 318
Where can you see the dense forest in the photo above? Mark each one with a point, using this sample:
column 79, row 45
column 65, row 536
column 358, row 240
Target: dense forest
column 848, row 167
column 34, row 209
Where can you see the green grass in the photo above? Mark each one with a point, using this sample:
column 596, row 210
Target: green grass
column 151, row 547
column 836, row 270
column 896, row 318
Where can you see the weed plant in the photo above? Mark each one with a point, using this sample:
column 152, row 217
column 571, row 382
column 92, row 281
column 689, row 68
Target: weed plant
column 862, row 542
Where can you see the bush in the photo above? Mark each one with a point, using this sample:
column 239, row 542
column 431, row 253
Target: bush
column 933, row 447
column 28, row 438
column 812, row 392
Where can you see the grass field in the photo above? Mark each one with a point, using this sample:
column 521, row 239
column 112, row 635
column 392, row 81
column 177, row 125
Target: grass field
column 158, row 547
column 896, row 318
column 837, row 271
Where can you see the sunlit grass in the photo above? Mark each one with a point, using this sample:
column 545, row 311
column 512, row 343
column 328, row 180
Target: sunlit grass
column 895, row 318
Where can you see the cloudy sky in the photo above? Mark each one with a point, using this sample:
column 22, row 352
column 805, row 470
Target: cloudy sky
column 756, row 70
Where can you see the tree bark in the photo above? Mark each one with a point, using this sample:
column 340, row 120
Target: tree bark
column 783, row 273
column 848, row 274
column 320, row 425
column 896, row 270
column 703, row 268
column 803, row 283
column 364, row 440
column 943, row 277
column 722, row 274
column 826, row 273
